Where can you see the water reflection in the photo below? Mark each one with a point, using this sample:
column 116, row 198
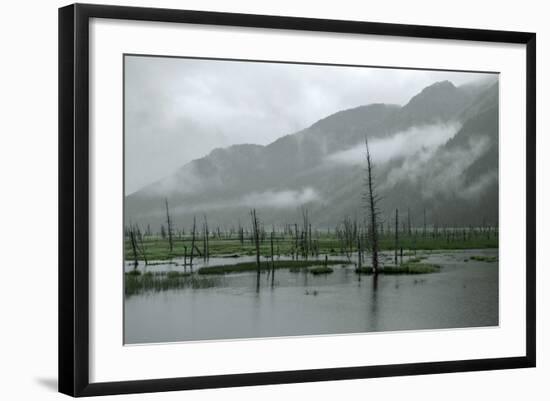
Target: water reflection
column 238, row 305
column 374, row 303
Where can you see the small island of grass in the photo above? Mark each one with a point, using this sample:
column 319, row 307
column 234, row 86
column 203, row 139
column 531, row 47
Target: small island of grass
column 488, row 259
column 405, row 268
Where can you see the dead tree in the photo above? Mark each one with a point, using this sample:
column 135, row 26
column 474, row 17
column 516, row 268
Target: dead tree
column 359, row 254
column 133, row 242
column 346, row 239
column 424, row 234
column 409, row 228
column 296, row 239
column 310, row 246
column 396, row 233
column 305, row 241
column 141, row 245
column 192, row 242
column 256, row 234
column 272, row 259
column 372, row 201
column 169, row 225
column 241, row 234
column 205, row 250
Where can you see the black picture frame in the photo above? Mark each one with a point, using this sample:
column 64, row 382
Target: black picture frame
column 74, row 198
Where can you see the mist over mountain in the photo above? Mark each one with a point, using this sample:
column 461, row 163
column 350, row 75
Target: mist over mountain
column 438, row 152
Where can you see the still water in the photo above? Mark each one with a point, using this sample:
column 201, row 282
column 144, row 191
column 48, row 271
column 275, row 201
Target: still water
column 463, row 294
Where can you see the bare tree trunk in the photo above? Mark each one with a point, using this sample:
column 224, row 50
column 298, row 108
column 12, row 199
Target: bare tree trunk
column 359, row 257
column 373, row 210
column 169, row 224
column 184, row 257
column 409, row 232
column 272, row 253
column 141, row 245
column 255, row 229
column 134, row 246
column 305, row 243
column 205, row 240
column 192, row 242
column 396, row 233
column 241, row 234
column 296, row 239
column 309, row 237
column 424, row 234
column 272, row 260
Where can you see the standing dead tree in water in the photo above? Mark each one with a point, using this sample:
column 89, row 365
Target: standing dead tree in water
column 205, row 245
column 169, row 225
column 272, row 257
column 133, row 243
column 372, row 201
column 138, row 246
column 193, row 232
column 424, row 233
column 409, row 227
column 347, row 239
column 241, row 233
column 396, row 233
column 305, row 233
column 141, row 244
column 256, row 234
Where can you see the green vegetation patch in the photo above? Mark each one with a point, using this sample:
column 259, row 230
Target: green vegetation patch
column 176, row 274
column 405, row 268
column 320, row 270
column 155, row 282
column 415, row 268
column 417, row 259
column 157, row 249
column 293, row 265
column 488, row 259
column 135, row 272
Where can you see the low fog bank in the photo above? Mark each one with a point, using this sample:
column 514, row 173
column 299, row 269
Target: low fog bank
column 419, row 141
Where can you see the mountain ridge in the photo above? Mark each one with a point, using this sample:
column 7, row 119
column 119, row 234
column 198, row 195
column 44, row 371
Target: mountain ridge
column 296, row 164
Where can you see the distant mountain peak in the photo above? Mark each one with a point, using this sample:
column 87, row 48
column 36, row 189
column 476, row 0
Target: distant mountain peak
column 441, row 101
column 364, row 112
column 441, row 88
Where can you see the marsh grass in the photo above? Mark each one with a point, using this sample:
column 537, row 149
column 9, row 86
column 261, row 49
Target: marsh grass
column 293, row 265
column 176, row 274
column 134, row 272
column 417, row 259
column 488, row 259
column 320, row 270
column 405, row 268
column 136, row 283
column 158, row 249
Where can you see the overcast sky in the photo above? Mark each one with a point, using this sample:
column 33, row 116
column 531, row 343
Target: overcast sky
column 178, row 109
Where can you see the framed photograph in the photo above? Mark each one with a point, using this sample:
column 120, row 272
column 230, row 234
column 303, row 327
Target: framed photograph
column 251, row 199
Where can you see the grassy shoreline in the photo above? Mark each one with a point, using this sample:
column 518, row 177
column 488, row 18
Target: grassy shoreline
column 158, row 249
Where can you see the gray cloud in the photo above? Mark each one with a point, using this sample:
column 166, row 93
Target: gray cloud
column 444, row 173
column 277, row 199
column 419, row 141
column 177, row 110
